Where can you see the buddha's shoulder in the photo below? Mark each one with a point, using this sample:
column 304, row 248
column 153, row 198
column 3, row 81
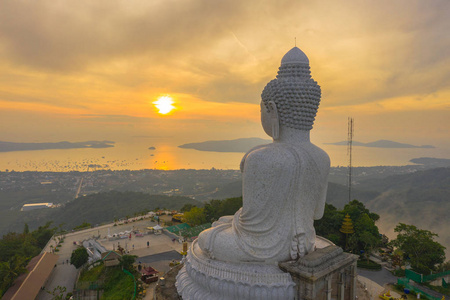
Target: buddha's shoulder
column 272, row 154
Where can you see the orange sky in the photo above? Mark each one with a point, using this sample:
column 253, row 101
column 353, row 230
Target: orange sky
column 90, row 70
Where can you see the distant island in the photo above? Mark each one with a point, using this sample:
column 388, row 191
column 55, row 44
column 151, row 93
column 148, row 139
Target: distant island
column 431, row 161
column 238, row 145
column 151, row 148
column 10, row 146
column 381, row 144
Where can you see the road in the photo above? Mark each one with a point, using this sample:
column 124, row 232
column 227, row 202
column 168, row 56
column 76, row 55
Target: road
column 381, row 277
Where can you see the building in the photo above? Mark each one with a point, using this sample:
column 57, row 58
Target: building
column 32, row 206
column 28, row 285
column 111, row 258
column 94, row 249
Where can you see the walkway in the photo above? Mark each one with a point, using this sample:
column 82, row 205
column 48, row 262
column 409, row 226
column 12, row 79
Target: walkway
column 65, row 275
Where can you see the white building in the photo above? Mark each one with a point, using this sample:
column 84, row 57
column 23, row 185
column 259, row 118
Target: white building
column 32, row 206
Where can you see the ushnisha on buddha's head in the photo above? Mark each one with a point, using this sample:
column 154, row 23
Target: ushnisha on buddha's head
column 293, row 97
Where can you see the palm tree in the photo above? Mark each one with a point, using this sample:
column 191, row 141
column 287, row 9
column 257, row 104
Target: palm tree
column 10, row 270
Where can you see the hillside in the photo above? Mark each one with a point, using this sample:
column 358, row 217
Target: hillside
column 437, row 179
column 381, row 144
column 421, row 199
column 96, row 209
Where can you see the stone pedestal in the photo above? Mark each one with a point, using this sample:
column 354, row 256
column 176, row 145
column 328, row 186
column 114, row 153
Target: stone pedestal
column 324, row 274
column 205, row 278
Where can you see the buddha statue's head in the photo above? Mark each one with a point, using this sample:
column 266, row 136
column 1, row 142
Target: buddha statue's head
column 293, row 97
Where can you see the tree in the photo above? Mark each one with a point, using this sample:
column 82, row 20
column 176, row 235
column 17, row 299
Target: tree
column 196, row 216
column 79, row 257
column 218, row 208
column 26, row 229
column 328, row 226
column 10, row 270
column 58, row 293
column 127, row 261
column 213, row 210
column 366, row 235
column 230, row 206
column 369, row 241
column 338, row 229
column 43, row 234
column 356, row 208
column 187, row 207
column 419, row 247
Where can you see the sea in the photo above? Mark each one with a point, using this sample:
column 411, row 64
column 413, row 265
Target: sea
column 168, row 156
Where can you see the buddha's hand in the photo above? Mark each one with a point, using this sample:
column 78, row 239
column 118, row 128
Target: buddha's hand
column 298, row 247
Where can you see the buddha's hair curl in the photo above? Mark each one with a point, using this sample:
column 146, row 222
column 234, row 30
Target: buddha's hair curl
column 296, row 95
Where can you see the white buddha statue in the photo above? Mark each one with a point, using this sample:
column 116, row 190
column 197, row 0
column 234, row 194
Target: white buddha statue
column 284, row 183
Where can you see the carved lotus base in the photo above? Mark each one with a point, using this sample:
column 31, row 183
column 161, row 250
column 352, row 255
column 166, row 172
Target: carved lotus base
column 205, row 278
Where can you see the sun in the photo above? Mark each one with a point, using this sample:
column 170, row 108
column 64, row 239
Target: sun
column 164, row 105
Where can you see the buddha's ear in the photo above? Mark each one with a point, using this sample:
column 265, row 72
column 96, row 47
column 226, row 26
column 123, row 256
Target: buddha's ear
column 274, row 120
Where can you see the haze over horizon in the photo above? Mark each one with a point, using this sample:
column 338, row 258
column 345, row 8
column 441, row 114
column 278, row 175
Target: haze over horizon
column 90, row 71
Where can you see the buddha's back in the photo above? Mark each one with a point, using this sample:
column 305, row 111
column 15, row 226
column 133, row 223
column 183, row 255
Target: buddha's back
column 283, row 192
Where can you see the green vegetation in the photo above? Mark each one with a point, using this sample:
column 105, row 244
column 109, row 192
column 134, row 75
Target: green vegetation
column 360, row 226
column 92, row 274
column 215, row 209
column 104, row 207
column 127, row 261
column 439, row 289
column 444, row 267
column 187, row 207
column 79, row 257
column 85, row 225
column 212, row 211
column 368, row 264
column 365, row 236
column 59, row 293
column 116, row 284
column 12, row 219
column 16, row 250
column 196, row 216
column 419, row 248
column 92, row 209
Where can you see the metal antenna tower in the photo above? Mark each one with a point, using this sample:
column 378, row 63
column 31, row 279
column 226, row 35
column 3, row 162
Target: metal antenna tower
column 349, row 153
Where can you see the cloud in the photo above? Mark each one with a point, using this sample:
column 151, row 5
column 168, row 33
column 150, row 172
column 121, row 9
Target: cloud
column 227, row 51
column 105, row 61
column 68, row 36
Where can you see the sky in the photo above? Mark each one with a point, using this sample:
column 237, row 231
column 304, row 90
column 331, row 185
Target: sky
column 79, row 70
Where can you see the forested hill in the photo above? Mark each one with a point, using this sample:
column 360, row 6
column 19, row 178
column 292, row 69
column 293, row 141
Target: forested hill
column 100, row 208
column 432, row 180
column 421, row 198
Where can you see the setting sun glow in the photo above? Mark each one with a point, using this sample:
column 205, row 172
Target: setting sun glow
column 164, row 104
